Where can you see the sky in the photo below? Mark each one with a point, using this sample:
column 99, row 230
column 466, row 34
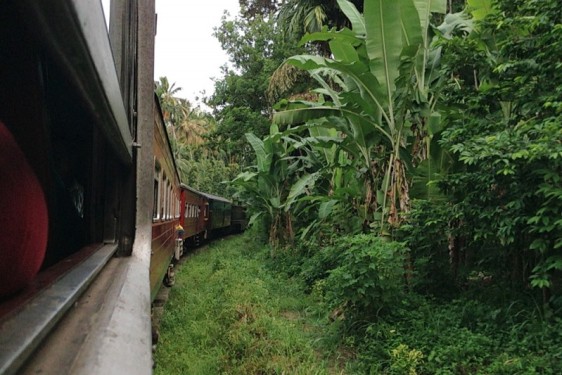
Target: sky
column 186, row 50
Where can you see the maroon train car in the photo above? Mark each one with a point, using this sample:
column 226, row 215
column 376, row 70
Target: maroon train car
column 166, row 206
column 194, row 216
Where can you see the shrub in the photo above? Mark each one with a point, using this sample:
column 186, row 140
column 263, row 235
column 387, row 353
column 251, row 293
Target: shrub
column 369, row 276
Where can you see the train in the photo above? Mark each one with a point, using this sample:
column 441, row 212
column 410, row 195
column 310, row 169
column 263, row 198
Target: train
column 94, row 212
column 182, row 217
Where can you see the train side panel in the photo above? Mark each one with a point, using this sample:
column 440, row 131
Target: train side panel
column 166, row 204
column 193, row 215
column 219, row 214
column 239, row 221
column 64, row 101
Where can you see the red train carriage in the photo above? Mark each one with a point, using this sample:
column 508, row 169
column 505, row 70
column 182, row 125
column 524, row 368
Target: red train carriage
column 166, row 205
column 194, row 216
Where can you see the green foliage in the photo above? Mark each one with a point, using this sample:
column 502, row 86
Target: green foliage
column 264, row 188
column 299, row 17
column 207, row 173
column 505, row 132
column 426, row 231
column 405, row 360
column 367, row 88
column 240, row 103
column 369, row 277
column 460, row 337
column 187, row 127
column 228, row 315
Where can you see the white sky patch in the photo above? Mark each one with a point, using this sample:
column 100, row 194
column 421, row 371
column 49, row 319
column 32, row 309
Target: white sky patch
column 186, row 50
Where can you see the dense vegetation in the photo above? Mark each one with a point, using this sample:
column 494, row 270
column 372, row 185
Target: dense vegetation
column 228, row 315
column 412, row 179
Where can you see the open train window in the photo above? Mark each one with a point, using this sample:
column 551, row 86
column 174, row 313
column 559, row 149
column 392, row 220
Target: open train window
column 156, row 192
column 162, row 200
column 57, row 134
column 168, row 197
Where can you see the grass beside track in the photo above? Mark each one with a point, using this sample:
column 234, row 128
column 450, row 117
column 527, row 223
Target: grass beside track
column 227, row 314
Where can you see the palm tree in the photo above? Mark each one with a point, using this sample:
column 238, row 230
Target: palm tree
column 298, row 17
column 195, row 125
column 173, row 110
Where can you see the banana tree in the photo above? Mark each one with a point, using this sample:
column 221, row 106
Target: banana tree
column 368, row 85
column 275, row 183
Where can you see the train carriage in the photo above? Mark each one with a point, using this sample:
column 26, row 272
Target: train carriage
column 165, row 207
column 194, row 216
column 239, row 220
column 76, row 104
column 219, row 214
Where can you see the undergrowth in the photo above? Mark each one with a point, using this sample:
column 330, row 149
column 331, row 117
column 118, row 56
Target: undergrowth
column 396, row 328
column 227, row 314
column 238, row 308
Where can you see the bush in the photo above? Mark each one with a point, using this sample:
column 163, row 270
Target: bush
column 368, row 278
column 427, row 231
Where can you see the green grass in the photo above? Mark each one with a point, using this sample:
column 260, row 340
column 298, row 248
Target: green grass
column 234, row 310
column 229, row 314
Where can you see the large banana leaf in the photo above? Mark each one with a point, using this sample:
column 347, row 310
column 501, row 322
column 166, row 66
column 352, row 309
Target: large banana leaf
column 354, row 16
column 424, row 9
column 384, row 42
column 300, row 187
column 359, row 74
column 262, row 157
column 385, row 48
column 344, row 35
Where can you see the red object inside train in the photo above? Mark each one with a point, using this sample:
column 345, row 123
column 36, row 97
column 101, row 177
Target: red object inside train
column 24, row 217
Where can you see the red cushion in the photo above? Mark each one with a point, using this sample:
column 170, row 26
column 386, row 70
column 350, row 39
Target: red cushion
column 23, row 217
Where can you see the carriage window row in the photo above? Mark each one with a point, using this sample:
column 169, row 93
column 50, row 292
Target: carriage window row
column 166, row 203
column 191, row 211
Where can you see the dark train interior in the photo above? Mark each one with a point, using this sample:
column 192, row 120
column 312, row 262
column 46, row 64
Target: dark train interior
column 52, row 124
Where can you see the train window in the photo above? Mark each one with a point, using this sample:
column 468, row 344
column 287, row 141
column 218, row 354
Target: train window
column 168, row 208
column 156, row 201
column 166, row 201
column 165, row 214
column 163, row 197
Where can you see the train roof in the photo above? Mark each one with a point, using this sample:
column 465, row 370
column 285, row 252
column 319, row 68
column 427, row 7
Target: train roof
column 206, row 195
column 216, row 197
column 184, row 186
